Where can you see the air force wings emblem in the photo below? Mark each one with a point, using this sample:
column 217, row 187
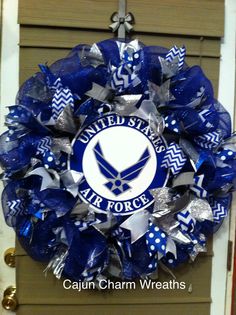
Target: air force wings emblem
column 120, row 158
column 118, row 182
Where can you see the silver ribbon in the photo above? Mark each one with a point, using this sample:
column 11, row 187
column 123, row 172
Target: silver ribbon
column 180, row 203
column 100, row 93
column 171, row 247
column 62, row 144
column 122, row 105
column 80, row 209
column 198, row 248
column 60, row 235
column 169, row 69
column 171, row 226
column 179, row 237
column 186, row 178
column 192, row 153
column 50, row 122
column 57, row 263
column 166, row 202
column 125, row 105
column 137, row 223
column 114, row 269
column 200, row 209
column 105, row 227
column 47, row 180
column 66, row 122
column 71, row 180
column 160, row 95
column 162, row 198
column 148, row 112
column 93, row 57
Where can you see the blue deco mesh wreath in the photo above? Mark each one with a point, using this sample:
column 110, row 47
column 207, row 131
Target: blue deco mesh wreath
column 118, row 160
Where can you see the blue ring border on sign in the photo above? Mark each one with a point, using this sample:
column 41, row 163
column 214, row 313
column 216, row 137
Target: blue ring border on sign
column 98, row 210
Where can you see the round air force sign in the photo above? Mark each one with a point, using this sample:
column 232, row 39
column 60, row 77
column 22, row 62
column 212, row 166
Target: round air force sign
column 120, row 158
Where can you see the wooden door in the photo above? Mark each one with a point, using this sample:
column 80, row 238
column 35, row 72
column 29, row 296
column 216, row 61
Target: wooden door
column 48, row 30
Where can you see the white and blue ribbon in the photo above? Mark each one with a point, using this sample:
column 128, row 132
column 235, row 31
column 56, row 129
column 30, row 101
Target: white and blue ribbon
column 61, row 98
column 127, row 72
column 44, row 145
column 209, row 140
column 219, row 211
column 15, row 206
column 156, row 239
column 203, row 114
column 176, row 53
column 174, row 158
column 197, row 188
column 187, row 222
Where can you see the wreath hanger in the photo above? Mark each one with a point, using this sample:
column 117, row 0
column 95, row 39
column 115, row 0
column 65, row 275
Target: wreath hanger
column 122, row 22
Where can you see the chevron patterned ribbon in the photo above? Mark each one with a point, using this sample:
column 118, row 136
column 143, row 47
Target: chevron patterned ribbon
column 197, row 188
column 126, row 73
column 44, row 145
column 61, row 98
column 219, row 211
column 57, row 85
column 187, row 222
column 203, row 114
column 209, row 140
column 176, row 53
column 123, row 77
column 174, row 158
column 15, row 207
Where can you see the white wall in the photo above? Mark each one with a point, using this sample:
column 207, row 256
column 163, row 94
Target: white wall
column 227, row 98
column 9, row 86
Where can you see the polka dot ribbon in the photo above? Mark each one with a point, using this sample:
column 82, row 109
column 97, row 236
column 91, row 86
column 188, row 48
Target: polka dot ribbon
column 156, row 240
column 226, row 155
column 172, row 124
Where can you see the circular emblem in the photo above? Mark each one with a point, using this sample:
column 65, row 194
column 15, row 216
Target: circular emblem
column 120, row 158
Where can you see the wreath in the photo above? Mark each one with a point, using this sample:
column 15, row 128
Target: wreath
column 118, row 160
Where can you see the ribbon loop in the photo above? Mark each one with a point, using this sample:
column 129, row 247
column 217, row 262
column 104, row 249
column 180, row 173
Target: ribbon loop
column 119, row 20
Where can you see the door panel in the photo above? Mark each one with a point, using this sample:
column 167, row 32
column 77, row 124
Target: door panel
column 190, row 274
column 177, row 309
column 195, row 17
